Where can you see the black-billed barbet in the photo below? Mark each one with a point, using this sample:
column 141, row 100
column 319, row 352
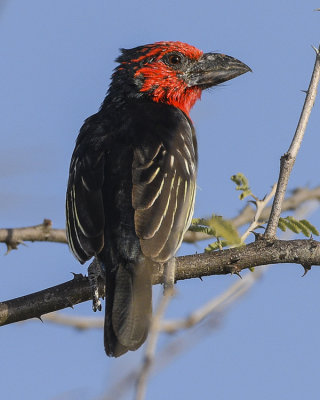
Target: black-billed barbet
column 132, row 181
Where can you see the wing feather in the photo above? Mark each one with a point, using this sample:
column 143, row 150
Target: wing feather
column 84, row 204
column 163, row 194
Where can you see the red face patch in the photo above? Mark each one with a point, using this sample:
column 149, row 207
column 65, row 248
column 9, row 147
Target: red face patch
column 163, row 82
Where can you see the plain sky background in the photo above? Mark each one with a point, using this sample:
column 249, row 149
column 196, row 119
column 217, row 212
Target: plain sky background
column 56, row 58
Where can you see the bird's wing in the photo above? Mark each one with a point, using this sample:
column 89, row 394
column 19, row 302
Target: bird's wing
column 84, row 199
column 164, row 179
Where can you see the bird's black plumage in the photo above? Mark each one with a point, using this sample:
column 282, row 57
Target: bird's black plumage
column 132, row 179
column 130, row 199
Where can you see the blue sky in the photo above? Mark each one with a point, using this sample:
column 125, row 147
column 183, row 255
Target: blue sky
column 56, row 60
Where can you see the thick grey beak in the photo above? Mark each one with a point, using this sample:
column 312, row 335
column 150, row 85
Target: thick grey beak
column 214, row 68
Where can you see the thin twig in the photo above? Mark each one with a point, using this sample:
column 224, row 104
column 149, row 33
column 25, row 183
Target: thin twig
column 288, row 159
column 79, row 323
column 151, row 344
column 260, row 206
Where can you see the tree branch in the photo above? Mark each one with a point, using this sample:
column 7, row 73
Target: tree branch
column 288, row 159
column 44, row 232
column 261, row 252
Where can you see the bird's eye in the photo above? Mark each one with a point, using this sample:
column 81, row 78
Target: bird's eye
column 174, row 59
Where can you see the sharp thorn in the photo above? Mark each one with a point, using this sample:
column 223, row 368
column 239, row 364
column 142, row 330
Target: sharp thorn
column 237, row 273
column 304, row 91
column 307, row 268
column 257, row 236
column 70, row 304
column 200, row 277
column 77, row 276
column 40, row 318
column 315, row 49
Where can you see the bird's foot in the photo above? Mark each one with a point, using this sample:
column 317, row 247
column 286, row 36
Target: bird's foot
column 95, row 272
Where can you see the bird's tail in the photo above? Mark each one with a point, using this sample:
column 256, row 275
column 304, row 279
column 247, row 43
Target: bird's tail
column 128, row 308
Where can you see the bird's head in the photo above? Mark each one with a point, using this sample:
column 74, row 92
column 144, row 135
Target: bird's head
column 172, row 72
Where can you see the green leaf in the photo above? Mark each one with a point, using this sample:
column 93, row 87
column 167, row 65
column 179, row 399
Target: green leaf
column 218, row 227
column 311, row 228
column 297, row 226
column 242, row 184
column 304, row 230
column 282, row 225
column 225, row 229
column 289, row 224
column 203, row 229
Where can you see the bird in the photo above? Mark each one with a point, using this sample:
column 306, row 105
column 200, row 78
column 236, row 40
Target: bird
column 132, row 178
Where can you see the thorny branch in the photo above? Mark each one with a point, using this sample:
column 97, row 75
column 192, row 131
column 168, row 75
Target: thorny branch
column 261, row 252
column 288, row 159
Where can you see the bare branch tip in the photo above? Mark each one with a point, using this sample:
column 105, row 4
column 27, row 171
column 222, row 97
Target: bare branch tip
column 47, row 223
